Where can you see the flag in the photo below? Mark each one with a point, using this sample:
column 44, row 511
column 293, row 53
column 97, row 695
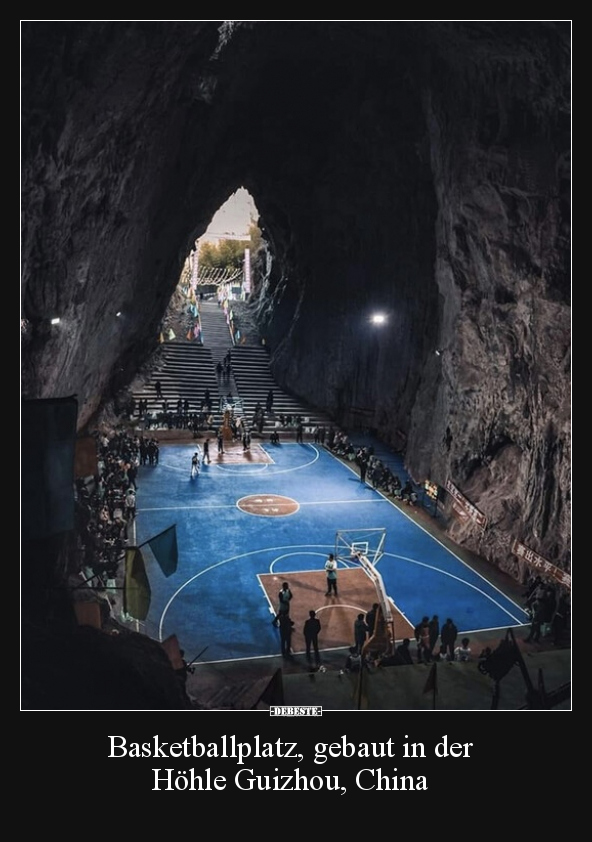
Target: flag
column 432, row 681
column 136, row 591
column 164, row 548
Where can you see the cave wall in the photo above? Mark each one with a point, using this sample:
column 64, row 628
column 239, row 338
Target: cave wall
column 419, row 168
column 500, row 388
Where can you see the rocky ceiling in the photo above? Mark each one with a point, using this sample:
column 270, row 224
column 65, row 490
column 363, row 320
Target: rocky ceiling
column 422, row 168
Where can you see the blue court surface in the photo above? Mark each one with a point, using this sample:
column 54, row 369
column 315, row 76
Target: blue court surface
column 215, row 600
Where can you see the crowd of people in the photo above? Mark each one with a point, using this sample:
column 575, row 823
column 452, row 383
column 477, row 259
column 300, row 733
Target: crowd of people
column 372, row 469
column 224, row 369
column 105, row 504
column 173, row 415
column 549, row 610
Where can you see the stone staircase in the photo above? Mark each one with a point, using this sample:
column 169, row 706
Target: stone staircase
column 215, row 333
column 186, row 369
column 253, row 378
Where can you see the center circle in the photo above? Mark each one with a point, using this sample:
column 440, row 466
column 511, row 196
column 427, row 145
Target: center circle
column 268, row 505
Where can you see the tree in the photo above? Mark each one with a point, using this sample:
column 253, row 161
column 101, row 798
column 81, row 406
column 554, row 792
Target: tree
column 226, row 254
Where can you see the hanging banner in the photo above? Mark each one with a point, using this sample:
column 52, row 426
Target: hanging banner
column 463, row 508
column 541, row 565
column 247, row 275
column 194, row 268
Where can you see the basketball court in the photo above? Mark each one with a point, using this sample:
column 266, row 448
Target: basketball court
column 252, row 520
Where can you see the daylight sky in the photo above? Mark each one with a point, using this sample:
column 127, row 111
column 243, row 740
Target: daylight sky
column 233, row 217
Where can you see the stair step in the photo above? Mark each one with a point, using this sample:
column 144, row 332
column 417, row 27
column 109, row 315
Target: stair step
column 186, row 369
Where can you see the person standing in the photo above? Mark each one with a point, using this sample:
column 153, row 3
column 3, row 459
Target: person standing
column 130, row 505
column 422, row 635
column 158, row 389
column 284, row 599
column 434, row 632
column 311, row 631
column 331, row 569
column 360, row 632
column 299, row 433
column 194, row 465
column 286, row 625
column 269, row 405
column 220, row 438
column 206, row 451
column 132, row 473
column 371, row 618
column 362, row 464
column 448, row 637
column 536, row 612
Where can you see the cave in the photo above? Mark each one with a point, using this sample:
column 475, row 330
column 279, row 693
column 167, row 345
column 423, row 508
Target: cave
column 419, row 168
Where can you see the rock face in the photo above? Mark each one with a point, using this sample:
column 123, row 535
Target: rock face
column 418, row 168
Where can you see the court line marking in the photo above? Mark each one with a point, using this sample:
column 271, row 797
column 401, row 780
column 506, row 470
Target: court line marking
column 342, row 605
column 203, row 506
column 219, row 564
column 291, row 470
column 292, row 573
column 434, row 538
column 458, row 579
column 269, row 505
column 381, row 495
column 297, row 572
column 256, row 467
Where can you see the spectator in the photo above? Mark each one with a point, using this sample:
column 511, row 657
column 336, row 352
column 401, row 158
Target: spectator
column 353, row 662
column 537, row 614
column 404, row 652
column 286, row 625
column 463, row 652
column 311, row 630
column 360, row 632
column 434, row 627
column 371, row 618
column 422, row 636
column 448, row 637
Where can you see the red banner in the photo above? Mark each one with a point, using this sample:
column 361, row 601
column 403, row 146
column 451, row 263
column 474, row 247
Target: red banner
column 463, row 508
column 541, row 565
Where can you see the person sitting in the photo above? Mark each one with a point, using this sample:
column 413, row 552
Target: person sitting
column 353, row 662
column 463, row 652
column 408, row 495
column 395, row 487
column 403, row 652
column 389, row 659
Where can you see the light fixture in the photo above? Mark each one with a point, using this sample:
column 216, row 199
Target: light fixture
column 55, row 321
column 378, row 318
column 118, row 313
